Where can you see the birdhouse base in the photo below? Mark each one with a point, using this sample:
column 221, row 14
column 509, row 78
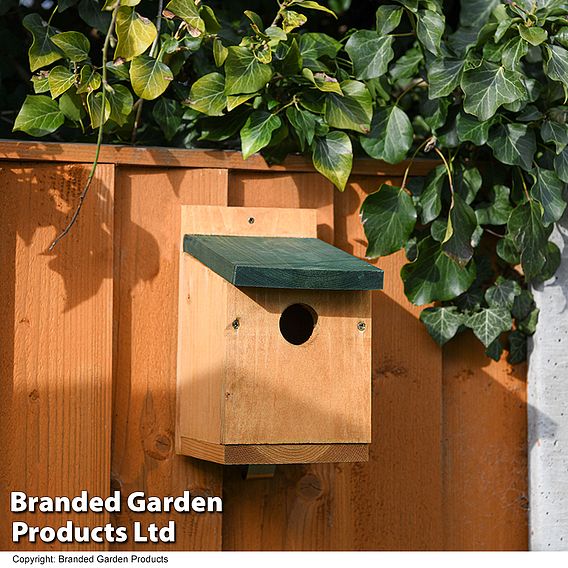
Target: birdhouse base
column 240, row 454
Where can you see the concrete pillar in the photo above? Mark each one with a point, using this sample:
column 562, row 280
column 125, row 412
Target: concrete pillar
column 548, row 410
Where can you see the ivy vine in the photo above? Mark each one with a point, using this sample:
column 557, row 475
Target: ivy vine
column 486, row 99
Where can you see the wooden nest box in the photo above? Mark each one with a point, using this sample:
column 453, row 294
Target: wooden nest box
column 274, row 344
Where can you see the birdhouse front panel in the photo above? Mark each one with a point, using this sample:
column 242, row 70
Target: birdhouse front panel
column 298, row 367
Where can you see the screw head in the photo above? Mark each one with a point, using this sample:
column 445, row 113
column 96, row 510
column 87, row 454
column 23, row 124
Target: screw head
column 251, row 220
column 236, row 324
column 361, row 326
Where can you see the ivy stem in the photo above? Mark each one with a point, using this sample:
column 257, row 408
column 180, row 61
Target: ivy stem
column 525, row 189
column 407, row 170
column 283, row 7
column 99, row 135
column 409, row 88
column 448, row 169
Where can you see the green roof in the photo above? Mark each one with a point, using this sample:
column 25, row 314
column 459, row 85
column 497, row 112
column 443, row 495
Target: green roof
column 283, row 262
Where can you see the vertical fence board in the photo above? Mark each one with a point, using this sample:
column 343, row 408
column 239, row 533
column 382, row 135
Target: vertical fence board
column 56, row 340
column 395, row 499
column 485, row 450
column 266, row 514
column 146, row 301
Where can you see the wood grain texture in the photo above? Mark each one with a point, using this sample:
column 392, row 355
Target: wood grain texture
column 485, row 450
column 270, row 391
column 282, row 262
column 183, row 158
column 245, row 454
column 146, row 307
column 393, row 502
column 55, row 341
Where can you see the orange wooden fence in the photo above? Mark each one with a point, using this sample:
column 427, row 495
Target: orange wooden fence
column 88, row 362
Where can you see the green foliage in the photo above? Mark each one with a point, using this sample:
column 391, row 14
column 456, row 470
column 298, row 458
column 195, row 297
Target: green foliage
column 485, row 97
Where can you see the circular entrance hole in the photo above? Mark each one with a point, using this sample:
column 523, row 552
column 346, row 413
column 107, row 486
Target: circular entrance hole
column 297, row 323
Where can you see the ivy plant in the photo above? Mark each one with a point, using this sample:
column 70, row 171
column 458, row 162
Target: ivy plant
column 486, row 99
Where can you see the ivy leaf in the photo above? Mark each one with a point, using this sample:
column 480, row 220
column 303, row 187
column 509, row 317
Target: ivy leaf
column 187, row 10
column 39, row 116
column 244, row 73
column 431, row 196
column 552, row 262
column 561, row 165
column 207, row 95
column 470, row 129
column 43, row 51
column 310, row 5
column 495, row 350
column 528, row 325
column 489, row 86
column 526, row 227
column 434, row 276
column 390, row 137
column 322, row 81
column 168, row 114
column 291, row 63
column 498, row 211
column 90, row 12
column 212, row 25
column 461, row 225
column 430, row 28
column 292, row 20
column 489, row 323
column 135, row 33
column 353, row 110
column 503, row 293
column 234, row 101
column 517, row 347
column 556, row 132
column 149, row 77
column 522, row 305
column 370, row 53
column 442, row 323
column 121, row 102
column 388, row 18
column 220, row 52
column 62, row 5
column 89, row 80
column 388, row 218
column 507, row 250
column 74, row 45
column 406, row 66
column 71, row 105
column 304, row 123
column 467, row 182
column 513, row 51
column 96, row 111
column 535, row 35
column 110, row 5
column 556, row 64
column 40, row 82
column 514, row 144
column 60, row 80
column 257, row 132
column 444, row 76
column 314, row 46
column 333, row 157
column 548, row 188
